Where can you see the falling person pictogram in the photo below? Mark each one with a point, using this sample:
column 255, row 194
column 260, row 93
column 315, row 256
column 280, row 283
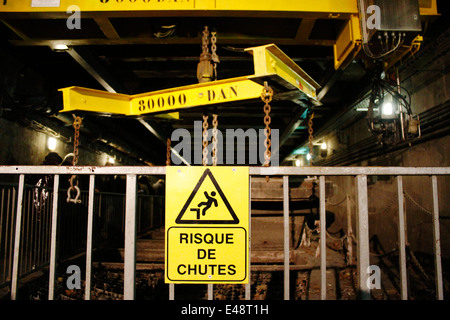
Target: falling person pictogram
column 210, row 200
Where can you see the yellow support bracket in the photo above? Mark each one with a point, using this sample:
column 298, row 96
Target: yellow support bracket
column 271, row 64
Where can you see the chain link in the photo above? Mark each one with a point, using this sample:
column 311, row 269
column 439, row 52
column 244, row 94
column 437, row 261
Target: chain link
column 168, row 152
column 214, row 56
column 311, row 137
column 205, row 40
column 77, row 121
column 266, row 96
column 76, row 141
column 207, row 66
column 205, row 140
column 215, row 123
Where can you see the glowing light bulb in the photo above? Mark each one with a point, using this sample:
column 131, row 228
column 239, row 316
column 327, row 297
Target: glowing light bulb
column 51, row 144
column 387, row 109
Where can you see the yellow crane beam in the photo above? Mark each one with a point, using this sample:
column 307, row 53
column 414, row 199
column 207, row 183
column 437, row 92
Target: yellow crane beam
column 270, row 63
column 347, row 44
column 326, row 7
column 341, row 9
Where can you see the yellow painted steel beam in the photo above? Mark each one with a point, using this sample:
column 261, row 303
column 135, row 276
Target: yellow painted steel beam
column 348, row 43
column 205, row 94
column 271, row 64
column 318, row 9
column 341, row 6
column 269, row 61
column 162, row 101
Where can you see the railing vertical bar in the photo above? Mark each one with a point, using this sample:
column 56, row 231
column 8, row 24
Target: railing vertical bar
column 363, row 236
column 210, row 291
column 40, row 238
column 286, row 236
column 90, row 223
column 130, row 239
column 3, row 258
column 171, row 291
column 26, row 237
column 402, row 239
column 249, row 263
column 323, row 240
column 14, row 278
column 45, row 232
column 11, row 209
column 437, row 241
column 33, row 239
column 349, row 231
column 53, row 243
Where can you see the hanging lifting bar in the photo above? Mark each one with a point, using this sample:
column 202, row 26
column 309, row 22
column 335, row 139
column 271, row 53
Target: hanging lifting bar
column 270, row 64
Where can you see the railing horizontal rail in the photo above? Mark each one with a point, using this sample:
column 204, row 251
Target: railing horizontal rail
column 269, row 171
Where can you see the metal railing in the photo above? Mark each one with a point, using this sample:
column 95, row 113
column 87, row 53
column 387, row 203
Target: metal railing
column 360, row 175
column 35, row 234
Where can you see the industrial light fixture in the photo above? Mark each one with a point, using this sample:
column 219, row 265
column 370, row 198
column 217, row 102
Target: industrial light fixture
column 389, row 113
column 298, row 163
column 308, row 156
column 387, row 27
column 60, row 48
column 51, row 144
column 323, row 150
column 389, row 107
column 111, row 160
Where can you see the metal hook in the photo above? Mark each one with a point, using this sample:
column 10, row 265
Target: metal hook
column 71, row 188
column 76, row 200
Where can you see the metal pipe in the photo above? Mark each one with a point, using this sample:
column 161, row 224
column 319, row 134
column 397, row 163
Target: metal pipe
column 130, row 239
column 399, row 90
column 362, row 225
column 14, row 278
column 286, row 236
column 323, row 240
column 402, row 239
column 90, row 222
column 437, row 241
column 53, row 244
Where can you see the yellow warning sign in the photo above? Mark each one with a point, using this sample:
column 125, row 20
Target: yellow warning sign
column 207, row 213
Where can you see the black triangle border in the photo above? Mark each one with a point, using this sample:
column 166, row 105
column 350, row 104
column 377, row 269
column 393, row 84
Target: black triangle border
column 207, row 172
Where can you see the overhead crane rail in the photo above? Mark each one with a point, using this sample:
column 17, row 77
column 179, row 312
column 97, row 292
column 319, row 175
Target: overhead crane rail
column 347, row 45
